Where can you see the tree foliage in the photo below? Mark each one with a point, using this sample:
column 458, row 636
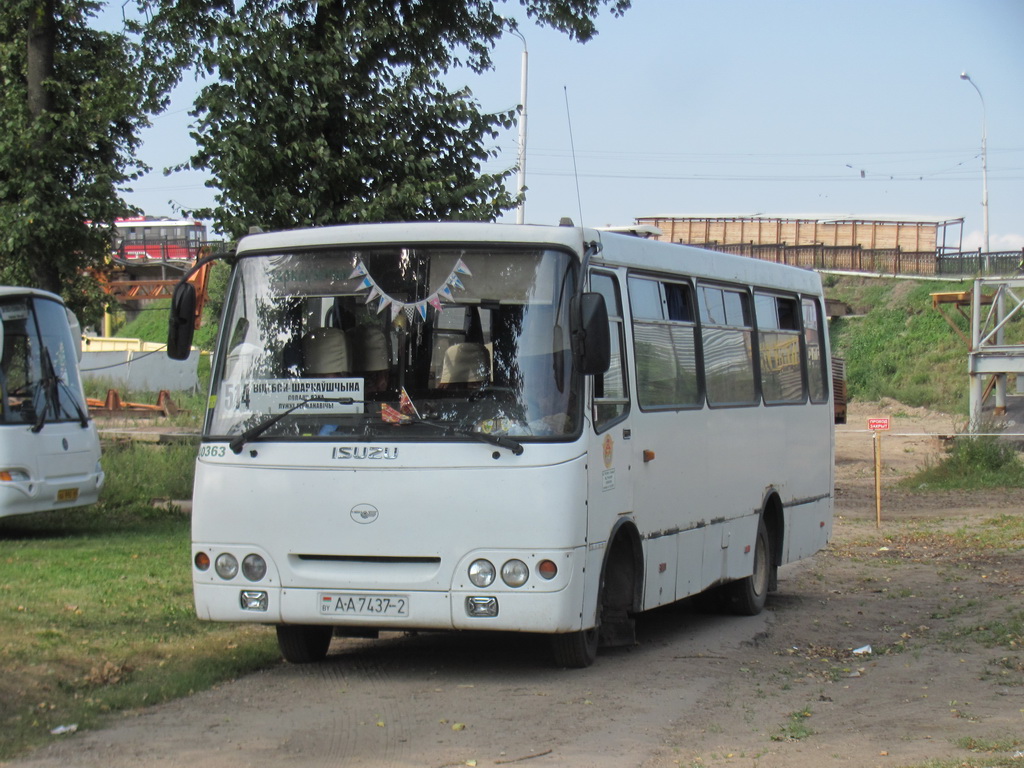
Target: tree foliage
column 315, row 113
column 336, row 111
column 73, row 102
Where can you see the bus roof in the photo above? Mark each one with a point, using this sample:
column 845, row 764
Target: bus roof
column 416, row 232
column 16, row 290
column 618, row 249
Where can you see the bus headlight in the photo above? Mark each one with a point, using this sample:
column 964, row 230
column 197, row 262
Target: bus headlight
column 254, row 567
column 226, row 565
column 481, row 573
column 515, row 573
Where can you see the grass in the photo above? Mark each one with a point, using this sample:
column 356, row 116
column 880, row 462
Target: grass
column 96, row 610
column 796, row 728
column 973, row 463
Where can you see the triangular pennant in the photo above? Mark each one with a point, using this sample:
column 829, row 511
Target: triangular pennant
column 359, row 271
column 435, row 302
column 392, row 415
column 454, row 280
column 385, row 300
column 462, row 269
column 421, row 308
column 406, row 406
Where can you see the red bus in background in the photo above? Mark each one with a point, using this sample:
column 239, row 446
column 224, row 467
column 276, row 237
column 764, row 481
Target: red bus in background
column 144, row 237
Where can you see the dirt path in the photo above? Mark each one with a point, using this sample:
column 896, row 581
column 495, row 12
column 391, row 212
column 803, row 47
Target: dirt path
column 782, row 689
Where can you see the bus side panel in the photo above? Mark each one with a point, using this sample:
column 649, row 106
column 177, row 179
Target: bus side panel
column 711, row 473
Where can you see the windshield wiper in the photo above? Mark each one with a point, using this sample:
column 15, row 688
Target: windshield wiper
column 498, row 440
column 50, row 384
column 258, row 429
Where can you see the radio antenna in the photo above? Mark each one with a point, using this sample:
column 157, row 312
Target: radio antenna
column 572, row 147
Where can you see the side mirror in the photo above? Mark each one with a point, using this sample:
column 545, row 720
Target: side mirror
column 591, row 339
column 181, row 324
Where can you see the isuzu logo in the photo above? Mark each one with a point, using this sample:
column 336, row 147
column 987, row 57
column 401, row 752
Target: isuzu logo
column 364, row 513
column 364, row 453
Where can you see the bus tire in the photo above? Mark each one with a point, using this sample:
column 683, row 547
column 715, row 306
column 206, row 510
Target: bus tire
column 747, row 596
column 303, row 644
column 575, row 650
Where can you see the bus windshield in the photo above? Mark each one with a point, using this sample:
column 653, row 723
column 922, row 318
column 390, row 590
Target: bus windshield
column 39, row 363
column 416, row 342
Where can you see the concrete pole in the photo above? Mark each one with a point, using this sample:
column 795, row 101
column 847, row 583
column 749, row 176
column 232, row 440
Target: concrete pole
column 521, row 172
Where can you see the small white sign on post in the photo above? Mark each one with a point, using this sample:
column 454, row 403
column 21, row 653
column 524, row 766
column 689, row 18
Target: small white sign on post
column 877, row 426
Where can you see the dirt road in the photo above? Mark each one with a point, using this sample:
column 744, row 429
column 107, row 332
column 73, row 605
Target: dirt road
column 945, row 669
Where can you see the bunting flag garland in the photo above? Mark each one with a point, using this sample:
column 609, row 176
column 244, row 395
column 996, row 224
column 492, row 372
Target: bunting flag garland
column 413, row 309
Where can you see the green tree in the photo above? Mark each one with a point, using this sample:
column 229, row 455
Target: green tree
column 73, row 103
column 336, row 112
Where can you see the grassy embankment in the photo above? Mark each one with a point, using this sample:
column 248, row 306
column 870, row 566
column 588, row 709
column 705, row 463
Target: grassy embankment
column 96, row 606
column 897, row 346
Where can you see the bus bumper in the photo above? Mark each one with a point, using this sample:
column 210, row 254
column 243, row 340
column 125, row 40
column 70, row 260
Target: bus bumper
column 506, row 611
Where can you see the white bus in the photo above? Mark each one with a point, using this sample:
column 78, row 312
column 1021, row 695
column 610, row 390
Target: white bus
column 469, row 426
column 49, row 448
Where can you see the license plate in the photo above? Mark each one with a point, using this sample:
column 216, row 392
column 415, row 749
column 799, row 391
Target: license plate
column 67, row 494
column 352, row 604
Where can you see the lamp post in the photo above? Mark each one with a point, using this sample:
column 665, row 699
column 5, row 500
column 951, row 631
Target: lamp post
column 521, row 173
column 984, row 163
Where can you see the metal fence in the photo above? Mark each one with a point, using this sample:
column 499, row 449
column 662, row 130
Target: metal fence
column 892, row 261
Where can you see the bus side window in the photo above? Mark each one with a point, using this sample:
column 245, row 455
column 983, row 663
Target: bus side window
column 817, row 379
column 610, row 397
column 664, row 344
column 727, row 339
column 778, row 343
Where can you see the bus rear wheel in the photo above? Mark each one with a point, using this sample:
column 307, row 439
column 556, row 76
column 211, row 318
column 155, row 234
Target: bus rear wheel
column 747, row 597
column 303, row 644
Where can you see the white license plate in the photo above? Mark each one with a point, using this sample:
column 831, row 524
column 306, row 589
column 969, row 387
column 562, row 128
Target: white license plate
column 353, row 604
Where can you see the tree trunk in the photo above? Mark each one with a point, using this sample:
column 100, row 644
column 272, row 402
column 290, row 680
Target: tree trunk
column 42, row 43
column 42, row 40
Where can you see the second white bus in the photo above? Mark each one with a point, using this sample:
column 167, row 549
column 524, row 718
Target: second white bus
column 49, row 446
column 515, row 428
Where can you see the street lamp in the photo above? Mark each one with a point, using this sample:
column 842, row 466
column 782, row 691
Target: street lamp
column 984, row 162
column 521, row 173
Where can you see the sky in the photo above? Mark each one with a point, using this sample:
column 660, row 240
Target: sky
column 738, row 107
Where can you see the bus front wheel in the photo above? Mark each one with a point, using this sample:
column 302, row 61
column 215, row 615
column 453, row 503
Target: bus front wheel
column 303, row 644
column 575, row 649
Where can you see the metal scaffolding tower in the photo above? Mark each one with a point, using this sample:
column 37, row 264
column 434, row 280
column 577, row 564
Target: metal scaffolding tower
column 993, row 303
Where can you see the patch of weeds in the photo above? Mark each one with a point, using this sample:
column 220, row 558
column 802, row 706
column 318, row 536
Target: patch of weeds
column 1008, row 670
column 1001, row 532
column 958, row 709
column 988, row 761
column 972, row 462
column 1007, row 633
column 984, row 745
column 796, row 728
